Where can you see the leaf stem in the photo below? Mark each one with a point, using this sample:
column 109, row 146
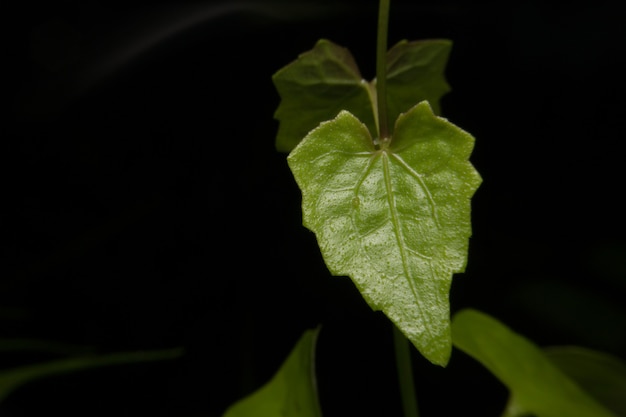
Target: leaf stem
column 405, row 373
column 381, row 70
column 401, row 343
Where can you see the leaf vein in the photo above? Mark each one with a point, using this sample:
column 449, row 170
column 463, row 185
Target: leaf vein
column 400, row 239
column 413, row 173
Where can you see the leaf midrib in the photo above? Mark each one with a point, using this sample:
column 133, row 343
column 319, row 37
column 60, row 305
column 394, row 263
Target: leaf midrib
column 391, row 200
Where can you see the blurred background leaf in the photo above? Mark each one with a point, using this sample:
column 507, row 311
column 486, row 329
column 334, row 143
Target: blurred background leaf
column 292, row 391
column 601, row 375
column 537, row 386
column 11, row 379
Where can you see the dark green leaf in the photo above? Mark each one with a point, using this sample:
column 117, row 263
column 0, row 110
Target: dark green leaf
column 322, row 82
column 415, row 72
column 395, row 219
column 292, row 392
column 601, row 375
column 537, row 385
column 314, row 88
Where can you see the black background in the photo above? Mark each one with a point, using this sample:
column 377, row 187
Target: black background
column 144, row 205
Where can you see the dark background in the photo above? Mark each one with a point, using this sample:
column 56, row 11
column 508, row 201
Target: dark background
column 144, row 205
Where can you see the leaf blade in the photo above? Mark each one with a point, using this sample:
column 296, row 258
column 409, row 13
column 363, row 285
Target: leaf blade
column 415, row 73
column 373, row 218
column 292, row 390
column 537, row 385
column 601, row 375
column 315, row 88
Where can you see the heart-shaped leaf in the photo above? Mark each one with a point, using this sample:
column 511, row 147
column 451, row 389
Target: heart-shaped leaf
column 395, row 218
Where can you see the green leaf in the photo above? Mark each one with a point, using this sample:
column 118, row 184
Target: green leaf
column 415, row 72
column 11, row 379
column 395, row 219
column 601, row 375
column 315, row 88
column 292, row 392
column 322, row 82
column 537, row 385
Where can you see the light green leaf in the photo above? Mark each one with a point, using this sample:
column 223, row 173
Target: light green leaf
column 292, row 392
column 537, row 385
column 395, row 219
column 325, row 80
column 11, row 379
column 315, row 88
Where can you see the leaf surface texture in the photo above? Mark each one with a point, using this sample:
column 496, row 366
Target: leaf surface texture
column 396, row 219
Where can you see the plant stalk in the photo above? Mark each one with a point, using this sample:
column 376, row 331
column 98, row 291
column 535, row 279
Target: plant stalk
column 401, row 343
column 381, row 70
column 405, row 373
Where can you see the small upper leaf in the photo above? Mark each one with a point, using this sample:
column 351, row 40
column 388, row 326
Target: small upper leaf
column 415, row 72
column 537, row 385
column 315, row 88
column 395, row 219
column 292, row 392
column 325, row 80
